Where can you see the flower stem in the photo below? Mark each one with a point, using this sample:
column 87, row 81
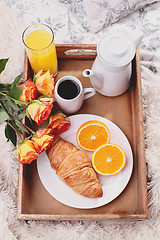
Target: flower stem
column 28, row 128
column 15, row 100
column 15, row 130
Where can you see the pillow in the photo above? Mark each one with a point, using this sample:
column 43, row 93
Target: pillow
column 98, row 14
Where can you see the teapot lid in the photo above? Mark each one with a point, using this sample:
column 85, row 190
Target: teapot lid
column 116, row 49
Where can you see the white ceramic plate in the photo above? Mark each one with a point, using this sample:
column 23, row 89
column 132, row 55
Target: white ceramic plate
column 112, row 185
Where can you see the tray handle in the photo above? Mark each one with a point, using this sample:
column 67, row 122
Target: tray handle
column 79, row 51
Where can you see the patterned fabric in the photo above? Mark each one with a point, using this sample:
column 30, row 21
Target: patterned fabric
column 68, row 20
column 98, row 14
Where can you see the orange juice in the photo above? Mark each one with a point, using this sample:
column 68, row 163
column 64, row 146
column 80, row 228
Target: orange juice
column 41, row 51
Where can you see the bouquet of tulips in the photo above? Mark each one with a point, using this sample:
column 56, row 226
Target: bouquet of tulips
column 34, row 100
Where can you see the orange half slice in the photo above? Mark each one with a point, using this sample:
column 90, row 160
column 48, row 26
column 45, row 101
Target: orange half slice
column 109, row 159
column 92, row 134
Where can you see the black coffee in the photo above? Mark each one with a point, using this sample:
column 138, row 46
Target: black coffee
column 68, row 89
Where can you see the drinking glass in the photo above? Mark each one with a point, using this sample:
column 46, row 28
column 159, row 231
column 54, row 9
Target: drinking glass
column 40, row 47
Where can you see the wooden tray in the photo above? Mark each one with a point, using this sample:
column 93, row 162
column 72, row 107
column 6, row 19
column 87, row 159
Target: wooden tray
column 35, row 203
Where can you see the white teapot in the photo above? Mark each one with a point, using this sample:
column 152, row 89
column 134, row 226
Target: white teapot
column 112, row 68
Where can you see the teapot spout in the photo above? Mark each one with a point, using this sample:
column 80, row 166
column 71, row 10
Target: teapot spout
column 137, row 38
column 96, row 79
column 88, row 73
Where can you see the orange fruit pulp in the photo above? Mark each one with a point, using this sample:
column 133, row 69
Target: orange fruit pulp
column 109, row 159
column 92, row 134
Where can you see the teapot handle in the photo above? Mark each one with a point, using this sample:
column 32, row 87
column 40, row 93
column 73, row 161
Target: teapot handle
column 137, row 38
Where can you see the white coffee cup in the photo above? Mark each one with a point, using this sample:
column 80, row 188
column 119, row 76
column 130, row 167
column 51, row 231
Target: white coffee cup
column 69, row 94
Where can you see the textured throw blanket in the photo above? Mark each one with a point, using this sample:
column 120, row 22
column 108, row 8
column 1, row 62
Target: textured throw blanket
column 15, row 15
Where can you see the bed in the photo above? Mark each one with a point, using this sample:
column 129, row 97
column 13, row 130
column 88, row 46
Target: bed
column 84, row 22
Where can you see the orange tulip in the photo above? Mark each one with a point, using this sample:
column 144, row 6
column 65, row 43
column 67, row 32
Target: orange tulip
column 39, row 111
column 26, row 152
column 43, row 139
column 29, row 91
column 58, row 123
column 44, row 82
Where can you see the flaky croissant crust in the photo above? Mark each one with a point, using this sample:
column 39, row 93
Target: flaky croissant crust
column 75, row 168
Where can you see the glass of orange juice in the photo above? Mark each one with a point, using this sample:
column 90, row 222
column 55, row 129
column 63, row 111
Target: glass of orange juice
column 40, row 47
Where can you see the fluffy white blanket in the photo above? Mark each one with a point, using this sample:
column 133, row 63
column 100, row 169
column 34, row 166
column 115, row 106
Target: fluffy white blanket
column 11, row 27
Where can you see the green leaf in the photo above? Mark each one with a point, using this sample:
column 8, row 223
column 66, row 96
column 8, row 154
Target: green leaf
column 12, row 122
column 15, row 92
column 4, row 87
column 3, row 98
column 21, row 126
column 21, row 116
column 3, row 64
column 28, row 116
column 11, row 134
column 6, row 133
column 34, row 78
column 12, row 105
column 16, row 81
column 22, row 107
column 3, row 115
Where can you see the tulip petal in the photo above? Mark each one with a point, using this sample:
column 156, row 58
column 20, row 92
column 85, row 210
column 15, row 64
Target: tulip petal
column 45, row 83
column 29, row 91
column 33, row 110
column 42, row 143
column 27, row 152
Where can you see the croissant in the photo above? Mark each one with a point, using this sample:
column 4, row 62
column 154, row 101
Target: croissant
column 74, row 167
